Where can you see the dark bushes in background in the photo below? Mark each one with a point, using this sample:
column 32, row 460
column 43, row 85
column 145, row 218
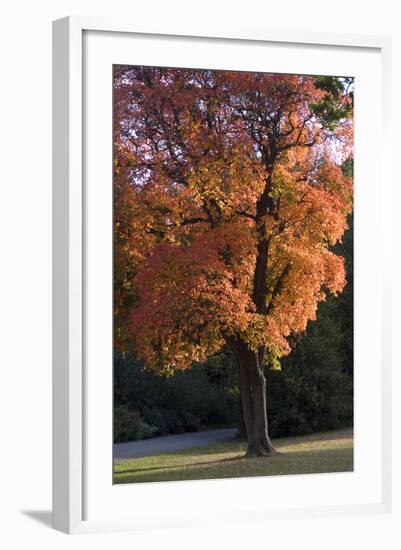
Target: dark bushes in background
column 130, row 426
column 204, row 396
column 314, row 389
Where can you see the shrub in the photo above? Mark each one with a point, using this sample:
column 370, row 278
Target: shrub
column 126, row 424
column 154, row 416
column 145, row 431
column 191, row 423
column 129, row 425
column 174, row 423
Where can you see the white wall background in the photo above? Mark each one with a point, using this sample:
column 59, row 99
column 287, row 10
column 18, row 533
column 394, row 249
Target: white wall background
column 25, row 218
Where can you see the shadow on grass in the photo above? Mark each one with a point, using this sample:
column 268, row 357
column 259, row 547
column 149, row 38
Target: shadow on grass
column 202, row 463
column 280, row 463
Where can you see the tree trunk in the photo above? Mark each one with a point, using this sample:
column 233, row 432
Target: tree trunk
column 253, row 400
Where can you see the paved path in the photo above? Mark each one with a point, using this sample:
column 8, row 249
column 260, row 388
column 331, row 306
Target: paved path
column 170, row 443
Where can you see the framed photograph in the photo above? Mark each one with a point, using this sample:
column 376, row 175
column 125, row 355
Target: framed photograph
column 217, row 197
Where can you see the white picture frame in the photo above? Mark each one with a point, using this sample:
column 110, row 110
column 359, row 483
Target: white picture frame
column 69, row 257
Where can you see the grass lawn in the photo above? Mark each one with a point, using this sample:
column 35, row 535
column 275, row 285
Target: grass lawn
column 317, row 453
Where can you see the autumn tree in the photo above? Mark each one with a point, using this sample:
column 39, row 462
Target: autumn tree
column 229, row 195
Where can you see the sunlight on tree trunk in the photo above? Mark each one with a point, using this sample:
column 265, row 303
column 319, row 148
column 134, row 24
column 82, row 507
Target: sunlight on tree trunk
column 253, row 401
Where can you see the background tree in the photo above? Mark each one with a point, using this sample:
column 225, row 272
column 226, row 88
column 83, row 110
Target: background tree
column 229, row 194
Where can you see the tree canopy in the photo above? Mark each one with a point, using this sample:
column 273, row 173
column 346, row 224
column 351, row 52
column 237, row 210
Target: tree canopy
column 229, row 195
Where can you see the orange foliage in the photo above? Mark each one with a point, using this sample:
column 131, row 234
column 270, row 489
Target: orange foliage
column 217, row 173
